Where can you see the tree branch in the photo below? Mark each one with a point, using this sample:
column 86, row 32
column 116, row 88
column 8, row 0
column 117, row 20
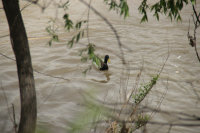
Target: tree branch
column 192, row 39
column 195, row 12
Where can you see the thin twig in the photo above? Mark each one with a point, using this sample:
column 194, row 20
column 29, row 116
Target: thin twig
column 7, row 57
column 195, row 92
column 160, row 102
column 195, row 12
column 126, row 87
column 5, row 97
column 136, row 85
column 39, row 5
column 197, row 53
column 88, row 20
column 4, row 36
column 158, row 123
column 170, row 127
column 48, row 96
column 162, row 98
column 14, row 120
column 27, row 5
column 164, row 62
column 175, row 124
column 45, row 74
column 192, row 39
column 171, row 113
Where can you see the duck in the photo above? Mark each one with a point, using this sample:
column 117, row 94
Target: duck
column 104, row 65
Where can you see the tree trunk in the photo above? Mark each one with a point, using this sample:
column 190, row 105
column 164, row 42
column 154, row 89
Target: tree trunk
column 20, row 47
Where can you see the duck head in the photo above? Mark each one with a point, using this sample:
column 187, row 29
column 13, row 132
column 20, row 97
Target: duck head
column 106, row 59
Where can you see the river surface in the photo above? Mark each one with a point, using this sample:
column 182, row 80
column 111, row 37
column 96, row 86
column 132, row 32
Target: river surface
column 60, row 84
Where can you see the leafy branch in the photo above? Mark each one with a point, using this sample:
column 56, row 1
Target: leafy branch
column 121, row 7
column 68, row 22
column 76, row 38
column 144, row 90
column 51, row 28
column 65, row 5
column 171, row 8
column 141, row 120
column 142, row 9
column 69, row 25
column 193, row 39
column 52, row 32
column 90, row 55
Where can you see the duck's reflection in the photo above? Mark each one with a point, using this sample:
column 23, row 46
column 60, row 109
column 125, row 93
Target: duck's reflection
column 107, row 75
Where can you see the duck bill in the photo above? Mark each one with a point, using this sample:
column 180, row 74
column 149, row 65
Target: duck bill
column 108, row 60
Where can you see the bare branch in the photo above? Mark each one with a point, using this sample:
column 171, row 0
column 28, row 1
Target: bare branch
column 4, row 36
column 195, row 12
column 88, row 17
column 197, row 53
column 45, row 74
column 14, row 121
column 192, row 39
column 6, row 99
column 170, row 127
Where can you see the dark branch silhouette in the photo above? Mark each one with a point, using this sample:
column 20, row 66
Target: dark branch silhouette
column 192, row 39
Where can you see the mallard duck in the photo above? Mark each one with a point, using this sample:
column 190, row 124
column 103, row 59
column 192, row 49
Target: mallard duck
column 104, row 65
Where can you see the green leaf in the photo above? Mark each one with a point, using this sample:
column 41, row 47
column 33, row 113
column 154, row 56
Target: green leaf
column 144, row 90
column 179, row 18
column 68, row 22
column 75, row 38
column 97, row 60
column 186, row 1
column 193, row 2
column 170, row 15
column 157, row 16
column 122, row 7
column 50, row 42
column 78, row 37
column 144, row 19
column 71, row 42
column 90, row 49
column 79, row 24
column 55, row 38
column 52, row 32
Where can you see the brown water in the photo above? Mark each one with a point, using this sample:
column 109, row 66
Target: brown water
column 59, row 100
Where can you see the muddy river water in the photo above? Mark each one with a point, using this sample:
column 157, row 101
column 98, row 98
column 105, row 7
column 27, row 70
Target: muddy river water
column 58, row 69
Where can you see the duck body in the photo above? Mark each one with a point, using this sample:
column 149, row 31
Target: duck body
column 104, row 65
